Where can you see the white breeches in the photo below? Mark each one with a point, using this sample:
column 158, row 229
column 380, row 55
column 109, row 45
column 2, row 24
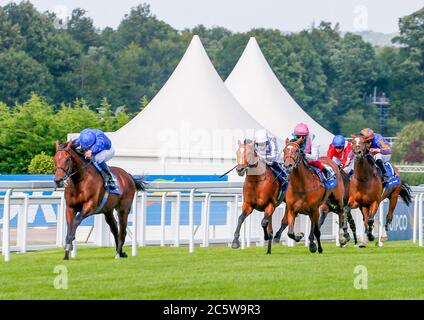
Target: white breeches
column 104, row 155
column 345, row 169
column 384, row 157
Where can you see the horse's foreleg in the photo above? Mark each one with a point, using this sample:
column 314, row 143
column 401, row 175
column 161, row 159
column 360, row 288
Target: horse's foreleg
column 283, row 226
column 290, row 233
column 73, row 222
column 236, row 242
column 351, row 224
column 372, row 212
column 312, row 245
column 267, row 225
column 317, row 231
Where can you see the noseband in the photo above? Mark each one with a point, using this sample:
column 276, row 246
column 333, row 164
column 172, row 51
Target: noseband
column 68, row 172
column 290, row 156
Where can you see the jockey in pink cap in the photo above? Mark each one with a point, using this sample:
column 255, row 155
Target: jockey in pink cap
column 310, row 147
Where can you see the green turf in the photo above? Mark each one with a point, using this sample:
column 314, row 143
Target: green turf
column 395, row 271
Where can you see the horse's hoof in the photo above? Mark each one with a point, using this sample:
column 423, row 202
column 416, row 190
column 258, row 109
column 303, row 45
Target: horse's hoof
column 347, row 237
column 117, row 256
column 320, row 250
column 342, row 241
column 276, row 240
column 235, row 244
column 371, row 237
column 362, row 245
column 299, row 236
column 313, row 247
column 66, row 257
column 123, row 255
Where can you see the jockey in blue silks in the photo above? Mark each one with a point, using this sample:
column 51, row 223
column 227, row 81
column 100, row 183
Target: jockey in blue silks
column 97, row 146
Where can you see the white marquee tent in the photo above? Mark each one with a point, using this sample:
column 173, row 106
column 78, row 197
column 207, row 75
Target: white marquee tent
column 256, row 87
column 190, row 127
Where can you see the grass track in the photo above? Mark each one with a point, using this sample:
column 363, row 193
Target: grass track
column 395, row 271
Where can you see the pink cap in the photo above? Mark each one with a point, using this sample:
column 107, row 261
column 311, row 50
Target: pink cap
column 301, row 129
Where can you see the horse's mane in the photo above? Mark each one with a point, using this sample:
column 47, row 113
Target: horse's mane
column 64, row 146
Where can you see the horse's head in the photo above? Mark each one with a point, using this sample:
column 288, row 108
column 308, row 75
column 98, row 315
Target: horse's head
column 63, row 162
column 292, row 154
column 361, row 145
column 246, row 156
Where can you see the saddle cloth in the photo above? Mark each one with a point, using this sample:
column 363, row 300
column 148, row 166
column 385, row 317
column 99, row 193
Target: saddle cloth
column 329, row 184
column 281, row 176
column 394, row 180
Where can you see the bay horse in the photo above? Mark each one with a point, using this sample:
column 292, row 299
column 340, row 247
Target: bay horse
column 306, row 194
column 366, row 188
column 85, row 195
column 261, row 190
column 347, row 212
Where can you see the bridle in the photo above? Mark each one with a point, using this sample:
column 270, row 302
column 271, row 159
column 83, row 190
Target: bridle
column 68, row 172
column 364, row 153
column 248, row 165
column 296, row 153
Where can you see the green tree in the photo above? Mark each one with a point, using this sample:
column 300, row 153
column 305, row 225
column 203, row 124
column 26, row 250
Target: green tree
column 74, row 118
column 82, row 29
column 410, row 134
column 28, row 131
column 20, row 75
column 42, row 164
column 354, row 121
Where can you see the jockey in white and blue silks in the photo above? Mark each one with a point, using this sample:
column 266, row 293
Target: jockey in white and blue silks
column 97, row 146
column 266, row 148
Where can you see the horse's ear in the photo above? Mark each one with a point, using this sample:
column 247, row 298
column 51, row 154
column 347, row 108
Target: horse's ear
column 239, row 143
column 287, row 141
column 69, row 144
column 57, row 145
column 353, row 136
column 299, row 141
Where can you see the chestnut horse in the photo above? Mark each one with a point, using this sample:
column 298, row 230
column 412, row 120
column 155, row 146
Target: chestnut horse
column 306, row 194
column 366, row 189
column 85, row 195
column 261, row 190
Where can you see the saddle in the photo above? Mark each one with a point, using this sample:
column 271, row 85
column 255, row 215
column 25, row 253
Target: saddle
column 331, row 182
column 116, row 191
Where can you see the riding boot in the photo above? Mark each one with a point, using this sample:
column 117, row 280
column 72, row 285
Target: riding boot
column 327, row 173
column 107, row 176
column 382, row 167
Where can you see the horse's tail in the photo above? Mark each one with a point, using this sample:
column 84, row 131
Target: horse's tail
column 405, row 193
column 140, row 184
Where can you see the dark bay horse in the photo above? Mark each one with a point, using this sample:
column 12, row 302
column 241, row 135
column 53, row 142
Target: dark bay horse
column 306, row 194
column 366, row 189
column 84, row 194
column 261, row 191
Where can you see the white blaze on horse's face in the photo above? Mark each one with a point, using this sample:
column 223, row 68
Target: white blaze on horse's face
column 357, row 141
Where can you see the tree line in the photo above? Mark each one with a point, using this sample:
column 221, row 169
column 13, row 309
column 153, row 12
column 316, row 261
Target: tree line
column 74, row 68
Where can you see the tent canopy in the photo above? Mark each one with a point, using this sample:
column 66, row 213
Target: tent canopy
column 256, row 87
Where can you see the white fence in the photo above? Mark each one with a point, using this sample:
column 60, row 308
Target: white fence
column 175, row 233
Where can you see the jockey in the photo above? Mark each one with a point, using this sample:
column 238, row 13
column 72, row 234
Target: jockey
column 97, row 146
column 267, row 149
column 379, row 148
column 310, row 147
column 340, row 151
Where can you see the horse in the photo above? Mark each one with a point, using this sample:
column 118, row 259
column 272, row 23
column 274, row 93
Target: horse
column 85, row 195
column 261, row 190
column 366, row 189
column 306, row 194
column 330, row 204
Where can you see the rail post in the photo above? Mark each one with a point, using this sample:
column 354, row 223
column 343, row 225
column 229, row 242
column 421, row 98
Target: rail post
column 6, row 226
column 191, row 222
